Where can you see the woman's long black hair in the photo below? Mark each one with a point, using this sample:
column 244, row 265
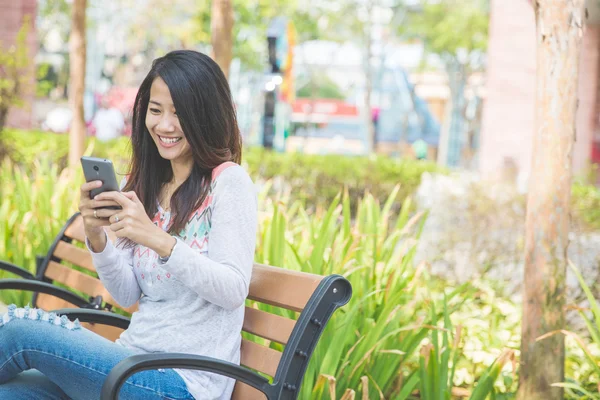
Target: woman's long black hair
column 205, row 109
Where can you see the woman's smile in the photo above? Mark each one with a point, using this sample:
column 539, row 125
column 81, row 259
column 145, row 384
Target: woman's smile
column 169, row 142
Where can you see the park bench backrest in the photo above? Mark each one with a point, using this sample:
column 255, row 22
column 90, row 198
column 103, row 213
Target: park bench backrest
column 70, row 264
column 270, row 287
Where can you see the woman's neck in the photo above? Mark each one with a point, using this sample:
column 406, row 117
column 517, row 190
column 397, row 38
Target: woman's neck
column 181, row 171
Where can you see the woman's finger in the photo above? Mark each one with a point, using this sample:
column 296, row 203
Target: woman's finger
column 118, row 227
column 104, row 203
column 117, row 197
column 88, row 186
column 104, row 212
column 132, row 196
column 96, row 222
column 89, row 220
column 116, row 218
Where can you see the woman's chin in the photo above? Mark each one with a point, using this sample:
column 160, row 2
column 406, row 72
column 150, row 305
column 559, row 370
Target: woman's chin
column 174, row 155
column 167, row 155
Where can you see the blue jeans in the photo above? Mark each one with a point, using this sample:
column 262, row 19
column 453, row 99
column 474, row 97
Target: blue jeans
column 46, row 357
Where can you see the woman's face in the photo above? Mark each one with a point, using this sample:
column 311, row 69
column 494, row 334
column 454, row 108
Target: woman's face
column 163, row 124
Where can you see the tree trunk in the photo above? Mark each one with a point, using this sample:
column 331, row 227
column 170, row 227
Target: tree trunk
column 3, row 117
column 221, row 26
column 457, row 80
column 77, row 81
column 4, row 150
column 371, row 138
column 559, row 31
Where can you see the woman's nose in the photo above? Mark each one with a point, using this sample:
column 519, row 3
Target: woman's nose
column 166, row 124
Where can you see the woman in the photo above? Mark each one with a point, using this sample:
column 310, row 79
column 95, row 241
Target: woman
column 186, row 237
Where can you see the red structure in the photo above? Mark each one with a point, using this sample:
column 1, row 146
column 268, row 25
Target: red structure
column 509, row 112
column 12, row 13
column 323, row 107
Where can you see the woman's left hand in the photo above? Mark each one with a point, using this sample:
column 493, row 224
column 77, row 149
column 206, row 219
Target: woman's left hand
column 133, row 223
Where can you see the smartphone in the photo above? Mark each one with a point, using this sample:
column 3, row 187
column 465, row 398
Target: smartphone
column 100, row 169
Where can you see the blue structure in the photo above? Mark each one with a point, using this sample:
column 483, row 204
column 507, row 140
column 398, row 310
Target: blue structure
column 403, row 115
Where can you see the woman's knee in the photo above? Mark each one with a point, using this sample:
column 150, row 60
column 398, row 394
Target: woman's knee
column 31, row 385
column 19, row 321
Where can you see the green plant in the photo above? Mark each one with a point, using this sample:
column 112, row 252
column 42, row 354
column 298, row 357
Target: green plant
column 490, row 327
column 374, row 251
column 29, row 146
column 437, row 362
column 590, row 388
column 372, row 344
column 485, row 385
column 585, row 201
column 33, row 208
column 439, row 358
column 46, row 79
column 315, row 180
column 35, row 202
column 321, row 87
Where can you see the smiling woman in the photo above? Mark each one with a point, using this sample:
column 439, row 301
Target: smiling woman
column 185, row 190
column 184, row 107
column 163, row 125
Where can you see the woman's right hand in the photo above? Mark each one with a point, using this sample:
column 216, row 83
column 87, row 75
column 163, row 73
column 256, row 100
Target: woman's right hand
column 95, row 217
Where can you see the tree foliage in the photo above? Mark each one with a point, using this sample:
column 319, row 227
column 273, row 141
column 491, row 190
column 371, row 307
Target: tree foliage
column 188, row 25
column 452, row 29
column 321, row 86
column 13, row 81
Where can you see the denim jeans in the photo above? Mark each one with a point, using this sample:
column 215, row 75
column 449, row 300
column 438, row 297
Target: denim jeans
column 43, row 356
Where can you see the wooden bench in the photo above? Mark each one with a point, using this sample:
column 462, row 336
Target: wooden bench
column 314, row 297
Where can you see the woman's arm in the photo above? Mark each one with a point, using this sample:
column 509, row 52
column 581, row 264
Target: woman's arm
column 115, row 269
column 222, row 277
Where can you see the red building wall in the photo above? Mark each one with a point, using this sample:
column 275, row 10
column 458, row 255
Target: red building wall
column 509, row 111
column 12, row 13
column 589, row 87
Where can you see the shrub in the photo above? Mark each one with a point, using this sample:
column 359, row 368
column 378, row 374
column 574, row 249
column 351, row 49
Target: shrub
column 315, row 180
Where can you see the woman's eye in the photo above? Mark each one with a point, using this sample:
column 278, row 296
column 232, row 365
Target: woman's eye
column 154, row 110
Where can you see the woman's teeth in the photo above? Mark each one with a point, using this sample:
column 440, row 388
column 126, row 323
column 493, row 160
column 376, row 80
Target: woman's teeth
column 169, row 140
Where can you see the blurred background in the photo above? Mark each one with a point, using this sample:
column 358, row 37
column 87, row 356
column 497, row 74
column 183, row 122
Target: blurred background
column 390, row 141
column 396, row 77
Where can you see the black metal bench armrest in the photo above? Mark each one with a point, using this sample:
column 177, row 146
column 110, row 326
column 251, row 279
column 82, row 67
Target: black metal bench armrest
column 95, row 316
column 12, row 268
column 142, row 362
column 43, row 287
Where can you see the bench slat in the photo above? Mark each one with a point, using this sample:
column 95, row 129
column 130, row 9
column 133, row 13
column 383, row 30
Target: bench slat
column 48, row 302
column 269, row 326
column 80, row 281
column 282, row 288
column 81, row 257
column 75, row 230
column 260, row 358
column 245, row 392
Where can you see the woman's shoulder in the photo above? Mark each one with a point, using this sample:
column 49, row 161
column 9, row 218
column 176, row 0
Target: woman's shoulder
column 230, row 172
column 229, row 176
